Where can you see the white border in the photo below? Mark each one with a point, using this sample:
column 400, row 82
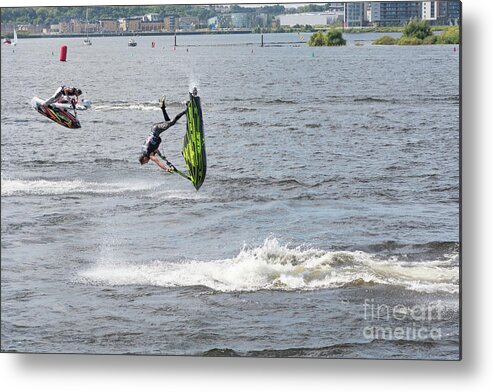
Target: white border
column 125, row 373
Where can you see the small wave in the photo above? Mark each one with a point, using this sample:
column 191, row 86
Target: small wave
column 275, row 101
column 108, row 161
column 378, row 348
column 264, row 181
column 371, row 99
column 240, row 110
column 45, row 187
column 282, row 101
column 276, row 267
column 250, row 124
column 417, row 252
column 336, row 350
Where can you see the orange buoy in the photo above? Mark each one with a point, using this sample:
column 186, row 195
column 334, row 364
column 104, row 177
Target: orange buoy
column 63, row 53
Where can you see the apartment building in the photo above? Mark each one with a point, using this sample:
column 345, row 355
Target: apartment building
column 109, row 25
column 394, row 13
column 355, row 14
column 441, row 12
column 170, row 23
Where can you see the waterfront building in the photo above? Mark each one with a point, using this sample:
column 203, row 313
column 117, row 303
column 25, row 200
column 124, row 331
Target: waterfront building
column 109, row 25
column 131, row 24
column 449, row 11
column 152, row 26
column 29, row 28
column 93, row 27
column 351, row 14
column 65, row 28
column 311, row 18
column 223, row 21
column 77, row 26
column 212, row 23
column 54, row 29
column 152, row 22
column 188, row 23
column 430, row 10
column 170, row 23
column 441, row 12
column 241, row 20
column 152, row 18
column 354, row 14
column 335, row 7
column 261, row 20
column 394, row 13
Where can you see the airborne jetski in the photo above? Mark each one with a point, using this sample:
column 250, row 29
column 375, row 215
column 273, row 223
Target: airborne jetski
column 60, row 112
column 193, row 150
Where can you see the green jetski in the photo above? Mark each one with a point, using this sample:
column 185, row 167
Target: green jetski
column 193, row 150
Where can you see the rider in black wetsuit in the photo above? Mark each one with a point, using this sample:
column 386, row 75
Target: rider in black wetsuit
column 70, row 93
column 151, row 145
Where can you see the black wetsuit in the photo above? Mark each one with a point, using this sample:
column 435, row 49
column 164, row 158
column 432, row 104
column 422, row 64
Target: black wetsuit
column 59, row 93
column 153, row 140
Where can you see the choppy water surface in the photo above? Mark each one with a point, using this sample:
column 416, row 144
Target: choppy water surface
column 327, row 225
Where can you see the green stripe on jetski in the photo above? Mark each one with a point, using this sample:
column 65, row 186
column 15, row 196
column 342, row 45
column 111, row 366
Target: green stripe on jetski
column 194, row 143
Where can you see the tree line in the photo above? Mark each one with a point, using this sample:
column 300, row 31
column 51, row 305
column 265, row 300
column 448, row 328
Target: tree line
column 419, row 32
column 52, row 15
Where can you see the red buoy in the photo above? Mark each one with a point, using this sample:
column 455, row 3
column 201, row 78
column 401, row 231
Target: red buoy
column 63, row 53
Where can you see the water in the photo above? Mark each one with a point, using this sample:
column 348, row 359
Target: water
column 327, row 225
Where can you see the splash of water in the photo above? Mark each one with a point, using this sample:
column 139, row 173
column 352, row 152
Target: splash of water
column 12, row 187
column 193, row 82
column 276, row 267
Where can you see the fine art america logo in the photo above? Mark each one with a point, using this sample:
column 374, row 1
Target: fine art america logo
column 401, row 322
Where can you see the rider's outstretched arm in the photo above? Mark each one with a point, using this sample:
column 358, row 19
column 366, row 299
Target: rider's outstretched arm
column 171, row 166
column 159, row 163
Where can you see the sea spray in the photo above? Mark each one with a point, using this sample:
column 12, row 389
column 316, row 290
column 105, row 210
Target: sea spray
column 126, row 106
column 193, row 82
column 276, row 267
column 11, row 187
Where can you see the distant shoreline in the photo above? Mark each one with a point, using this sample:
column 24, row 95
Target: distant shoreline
column 199, row 32
column 351, row 30
column 138, row 34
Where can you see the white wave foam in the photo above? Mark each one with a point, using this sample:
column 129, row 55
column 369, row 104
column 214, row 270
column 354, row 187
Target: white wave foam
column 44, row 187
column 142, row 107
column 272, row 266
